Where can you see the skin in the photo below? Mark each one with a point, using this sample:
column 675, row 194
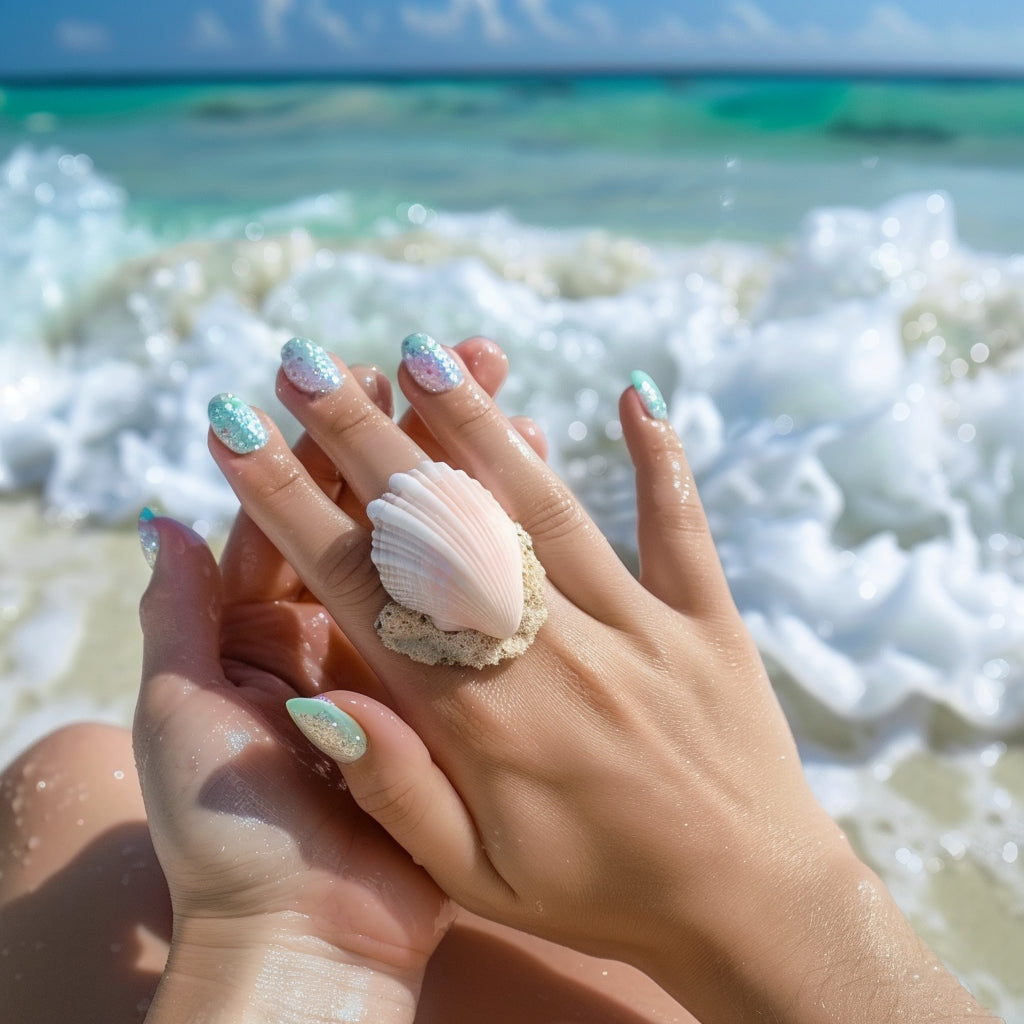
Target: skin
column 629, row 786
column 260, row 865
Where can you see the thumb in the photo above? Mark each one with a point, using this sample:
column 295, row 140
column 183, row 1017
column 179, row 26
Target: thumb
column 180, row 612
column 391, row 776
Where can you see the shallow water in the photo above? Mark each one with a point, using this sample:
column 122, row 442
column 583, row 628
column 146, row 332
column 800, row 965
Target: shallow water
column 822, row 276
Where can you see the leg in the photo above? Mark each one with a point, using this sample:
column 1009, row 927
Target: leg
column 488, row 972
column 84, row 909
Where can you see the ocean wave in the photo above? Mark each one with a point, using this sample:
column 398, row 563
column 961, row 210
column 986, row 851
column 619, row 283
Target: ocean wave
column 849, row 400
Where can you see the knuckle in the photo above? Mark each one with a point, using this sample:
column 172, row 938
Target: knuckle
column 281, row 489
column 345, row 571
column 554, row 515
column 395, row 804
column 348, row 419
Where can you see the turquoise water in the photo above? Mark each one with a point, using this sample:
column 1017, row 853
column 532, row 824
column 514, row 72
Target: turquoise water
column 677, row 158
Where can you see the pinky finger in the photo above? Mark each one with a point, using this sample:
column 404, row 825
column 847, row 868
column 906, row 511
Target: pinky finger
column 390, row 774
column 678, row 560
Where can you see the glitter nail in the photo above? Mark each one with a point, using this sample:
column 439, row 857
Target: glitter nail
column 238, row 427
column 309, row 367
column 149, row 536
column 429, row 364
column 328, row 728
column 650, row 395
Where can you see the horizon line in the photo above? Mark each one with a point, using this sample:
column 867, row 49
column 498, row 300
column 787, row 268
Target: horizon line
column 510, row 72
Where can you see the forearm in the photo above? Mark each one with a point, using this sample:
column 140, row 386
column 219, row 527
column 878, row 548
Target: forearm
column 830, row 947
column 277, row 980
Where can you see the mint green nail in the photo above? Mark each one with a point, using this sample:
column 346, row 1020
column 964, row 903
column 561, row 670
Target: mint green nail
column 238, row 427
column 309, row 367
column 149, row 536
column 650, row 395
column 328, row 728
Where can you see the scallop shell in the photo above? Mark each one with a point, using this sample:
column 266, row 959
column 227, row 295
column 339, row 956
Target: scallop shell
column 444, row 547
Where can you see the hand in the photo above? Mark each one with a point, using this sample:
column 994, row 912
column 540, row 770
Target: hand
column 629, row 785
column 259, row 842
column 270, row 864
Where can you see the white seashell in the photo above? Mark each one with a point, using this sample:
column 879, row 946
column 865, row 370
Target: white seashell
column 444, row 547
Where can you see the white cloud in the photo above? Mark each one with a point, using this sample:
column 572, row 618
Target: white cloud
column 754, row 22
column 599, row 19
column 891, row 27
column 543, row 20
column 453, row 21
column 331, row 24
column 210, row 33
column 272, row 15
column 887, row 36
column 81, row 36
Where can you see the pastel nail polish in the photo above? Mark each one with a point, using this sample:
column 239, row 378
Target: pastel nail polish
column 650, row 395
column 149, row 537
column 238, row 427
column 309, row 367
column 429, row 365
column 328, row 728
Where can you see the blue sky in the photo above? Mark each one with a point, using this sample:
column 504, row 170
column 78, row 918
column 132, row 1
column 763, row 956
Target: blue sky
column 255, row 36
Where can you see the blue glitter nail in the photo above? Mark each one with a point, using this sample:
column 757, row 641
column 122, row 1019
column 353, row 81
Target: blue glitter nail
column 149, row 536
column 429, row 365
column 238, row 427
column 649, row 395
column 309, row 367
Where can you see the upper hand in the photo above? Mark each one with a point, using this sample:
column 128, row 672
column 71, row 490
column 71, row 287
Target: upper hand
column 628, row 782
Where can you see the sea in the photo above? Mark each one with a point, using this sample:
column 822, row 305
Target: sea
column 824, row 275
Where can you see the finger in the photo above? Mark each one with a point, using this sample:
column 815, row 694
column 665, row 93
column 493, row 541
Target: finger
column 298, row 642
column 531, row 433
column 365, row 445
column 479, row 437
column 488, row 365
column 678, row 560
column 180, row 614
column 389, row 772
column 325, row 546
column 252, row 568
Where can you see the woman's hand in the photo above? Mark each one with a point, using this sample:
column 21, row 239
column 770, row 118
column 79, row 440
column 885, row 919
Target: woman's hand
column 629, row 785
column 273, row 870
column 262, row 847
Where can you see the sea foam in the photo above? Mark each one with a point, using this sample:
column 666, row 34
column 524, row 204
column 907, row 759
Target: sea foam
column 850, row 402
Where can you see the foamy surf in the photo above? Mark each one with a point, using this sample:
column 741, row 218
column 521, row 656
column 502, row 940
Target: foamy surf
column 849, row 400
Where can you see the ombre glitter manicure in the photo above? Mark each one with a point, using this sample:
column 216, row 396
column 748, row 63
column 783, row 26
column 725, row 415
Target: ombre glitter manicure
column 649, row 394
column 328, row 728
column 429, row 365
column 309, row 367
column 149, row 537
column 238, row 427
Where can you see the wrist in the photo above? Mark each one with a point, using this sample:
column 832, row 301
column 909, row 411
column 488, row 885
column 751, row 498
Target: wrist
column 813, row 937
column 241, row 972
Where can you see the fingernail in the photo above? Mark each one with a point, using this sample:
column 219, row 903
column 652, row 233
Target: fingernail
column 309, row 367
column 328, row 728
column 649, row 395
column 429, row 365
column 149, row 537
column 236, row 424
